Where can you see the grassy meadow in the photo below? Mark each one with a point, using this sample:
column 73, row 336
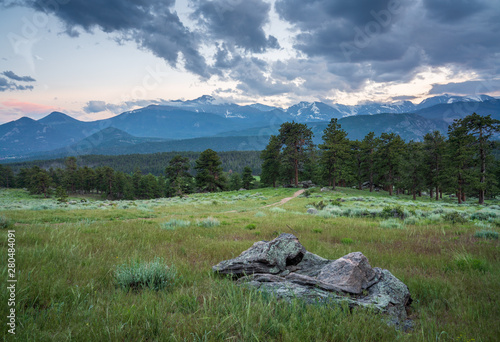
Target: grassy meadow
column 72, row 262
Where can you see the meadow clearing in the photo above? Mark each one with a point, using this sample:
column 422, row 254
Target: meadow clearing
column 71, row 260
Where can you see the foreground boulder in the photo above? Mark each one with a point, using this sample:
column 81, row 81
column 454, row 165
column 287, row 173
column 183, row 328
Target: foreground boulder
column 284, row 268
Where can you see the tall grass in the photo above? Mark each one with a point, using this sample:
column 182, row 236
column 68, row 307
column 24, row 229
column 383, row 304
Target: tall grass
column 68, row 263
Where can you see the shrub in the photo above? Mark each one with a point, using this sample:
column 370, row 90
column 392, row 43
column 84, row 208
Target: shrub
column 317, row 230
column 454, row 217
column 346, row 241
column 392, row 224
column 136, row 275
column 277, row 210
column 486, row 234
column 209, row 222
column 259, row 214
column 175, row 223
column 5, row 223
column 393, row 212
column 465, row 262
column 484, row 215
column 250, row 226
column 319, row 205
column 482, row 225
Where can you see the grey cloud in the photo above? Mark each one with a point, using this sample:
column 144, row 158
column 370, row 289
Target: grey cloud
column 15, row 77
column 467, row 88
column 452, row 10
column 386, row 41
column 151, row 23
column 237, row 22
column 101, row 106
column 6, row 85
column 95, row 107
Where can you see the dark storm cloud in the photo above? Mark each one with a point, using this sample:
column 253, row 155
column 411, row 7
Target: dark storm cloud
column 153, row 24
column 6, row 85
column 15, row 77
column 452, row 10
column 392, row 40
column 237, row 22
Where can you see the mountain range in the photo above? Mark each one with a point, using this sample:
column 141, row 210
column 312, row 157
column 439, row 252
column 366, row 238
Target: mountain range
column 195, row 125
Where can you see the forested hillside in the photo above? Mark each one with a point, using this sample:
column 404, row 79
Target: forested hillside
column 154, row 163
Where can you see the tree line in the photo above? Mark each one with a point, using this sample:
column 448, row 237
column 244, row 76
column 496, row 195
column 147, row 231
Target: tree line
column 154, row 163
column 176, row 180
column 460, row 164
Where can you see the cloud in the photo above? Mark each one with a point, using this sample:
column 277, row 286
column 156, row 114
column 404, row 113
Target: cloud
column 27, row 107
column 15, row 77
column 102, row 106
column 391, row 40
column 6, row 85
column 236, row 22
column 468, row 87
column 152, row 24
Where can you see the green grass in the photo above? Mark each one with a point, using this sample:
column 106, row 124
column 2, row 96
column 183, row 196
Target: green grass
column 68, row 260
column 136, row 275
column 175, row 223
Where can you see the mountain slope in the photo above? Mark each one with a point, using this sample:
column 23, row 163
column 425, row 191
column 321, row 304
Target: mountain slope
column 447, row 112
column 408, row 126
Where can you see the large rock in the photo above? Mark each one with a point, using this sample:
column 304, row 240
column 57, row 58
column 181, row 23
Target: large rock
column 284, row 268
column 270, row 257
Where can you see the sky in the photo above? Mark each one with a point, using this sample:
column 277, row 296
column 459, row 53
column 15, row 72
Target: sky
column 94, row 59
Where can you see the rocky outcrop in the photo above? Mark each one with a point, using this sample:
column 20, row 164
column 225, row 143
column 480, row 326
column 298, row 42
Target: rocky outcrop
column 284, row 268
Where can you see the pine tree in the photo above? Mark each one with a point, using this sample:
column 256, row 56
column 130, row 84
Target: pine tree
column 389, row 147
column 40, row 182
column 482, row 128
column 235, row 181
column 368, row 149
column 412, row 168
column 247, row 179
column 459, row 158
column 177, row 173
column 209, row 175
column 434, row 148
column 70, row 174
column 6, row 177
column 296, row 140
column 271, row 162
column 334, row 150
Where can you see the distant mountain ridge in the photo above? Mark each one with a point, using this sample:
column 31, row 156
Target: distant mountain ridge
column 155, row 126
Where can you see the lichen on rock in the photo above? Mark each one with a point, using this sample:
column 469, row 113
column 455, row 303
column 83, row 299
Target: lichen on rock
column 284, row 268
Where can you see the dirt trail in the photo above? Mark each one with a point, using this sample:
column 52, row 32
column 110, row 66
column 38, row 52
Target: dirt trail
column 283, row 201
column 286, row 199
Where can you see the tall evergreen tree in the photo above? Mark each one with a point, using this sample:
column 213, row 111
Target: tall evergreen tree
column 296, row 140
column 209, row 175
column 434, row 148
column 271, row 162
column 71, row 174
column 368, row 149
column 389, row 147
column 482, row 128
column 177, row 174
column 6, row 177
column 235, row 181
column 334, row 149
column 412, row 168
column 40, row 182
column 247, row 179
column 460, row 158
